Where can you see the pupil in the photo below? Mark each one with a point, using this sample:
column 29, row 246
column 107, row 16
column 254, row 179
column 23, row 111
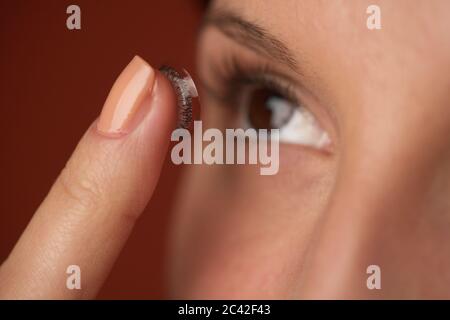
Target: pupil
column 259, row 113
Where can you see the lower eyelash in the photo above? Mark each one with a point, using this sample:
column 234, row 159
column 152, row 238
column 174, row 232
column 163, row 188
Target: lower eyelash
column 185, row 90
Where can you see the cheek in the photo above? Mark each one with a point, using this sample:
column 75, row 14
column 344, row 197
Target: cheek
column 236, row 233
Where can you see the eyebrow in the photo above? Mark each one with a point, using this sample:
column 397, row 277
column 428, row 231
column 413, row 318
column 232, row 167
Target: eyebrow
column 250, row 35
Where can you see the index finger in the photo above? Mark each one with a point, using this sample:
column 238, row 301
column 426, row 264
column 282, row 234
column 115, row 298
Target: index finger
column 93, row 205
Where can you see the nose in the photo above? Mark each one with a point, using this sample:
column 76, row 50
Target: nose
column 386, row 230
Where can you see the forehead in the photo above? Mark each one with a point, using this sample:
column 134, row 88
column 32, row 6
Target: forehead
column 419, row 27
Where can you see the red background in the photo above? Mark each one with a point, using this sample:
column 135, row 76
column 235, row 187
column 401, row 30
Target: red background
column 53, row 85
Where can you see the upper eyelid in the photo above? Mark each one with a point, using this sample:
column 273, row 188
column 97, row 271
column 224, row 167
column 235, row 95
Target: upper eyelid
column 255, row 72
column 238, row 51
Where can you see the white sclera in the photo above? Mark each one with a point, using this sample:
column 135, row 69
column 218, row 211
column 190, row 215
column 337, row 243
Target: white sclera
column 302, row 127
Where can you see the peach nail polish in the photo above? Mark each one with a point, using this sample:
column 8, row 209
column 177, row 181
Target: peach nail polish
column 123, row 106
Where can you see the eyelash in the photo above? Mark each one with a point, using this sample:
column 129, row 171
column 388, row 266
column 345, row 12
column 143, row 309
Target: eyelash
column 235, row 77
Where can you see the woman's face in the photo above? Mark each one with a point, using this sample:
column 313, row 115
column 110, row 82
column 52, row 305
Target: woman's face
column 377, row 194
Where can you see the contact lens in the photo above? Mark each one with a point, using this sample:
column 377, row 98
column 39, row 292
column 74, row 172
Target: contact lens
column 185, row 90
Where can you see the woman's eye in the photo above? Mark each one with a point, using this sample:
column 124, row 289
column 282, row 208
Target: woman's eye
column 266, row 109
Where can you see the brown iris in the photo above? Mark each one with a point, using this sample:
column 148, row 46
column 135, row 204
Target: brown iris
column 261, row 109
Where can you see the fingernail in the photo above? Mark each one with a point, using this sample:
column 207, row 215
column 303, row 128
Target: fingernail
column 123, row 108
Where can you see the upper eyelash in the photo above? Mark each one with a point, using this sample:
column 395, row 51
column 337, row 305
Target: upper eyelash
column 234, row 76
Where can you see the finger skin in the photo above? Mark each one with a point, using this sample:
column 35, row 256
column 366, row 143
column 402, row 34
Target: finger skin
column 92, row 207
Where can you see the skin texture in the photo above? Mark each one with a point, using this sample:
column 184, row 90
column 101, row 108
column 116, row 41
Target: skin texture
column 381, row 197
